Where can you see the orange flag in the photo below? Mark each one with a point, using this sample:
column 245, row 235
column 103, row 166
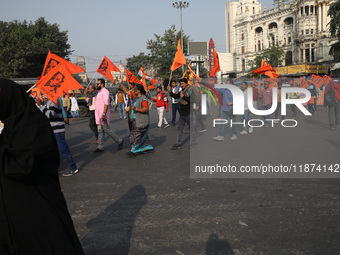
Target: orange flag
column 179, row 58
column 105, row 68
column 303, row 83
column 131, row 78
column 36, row 93
column 216, row 67
column 53, row 60
column 263, row 63
column 326, row 79
column 264, row 69
column 255, row 82
column 56, row 81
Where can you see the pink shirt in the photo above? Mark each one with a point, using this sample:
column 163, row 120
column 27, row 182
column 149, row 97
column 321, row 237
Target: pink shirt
column 103, row 98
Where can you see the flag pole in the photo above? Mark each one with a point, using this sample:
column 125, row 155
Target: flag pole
column 169, row 79
column 31, row 88
column 91, row 80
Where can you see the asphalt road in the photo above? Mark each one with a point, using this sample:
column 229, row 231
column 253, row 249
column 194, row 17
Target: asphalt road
column 150, row 205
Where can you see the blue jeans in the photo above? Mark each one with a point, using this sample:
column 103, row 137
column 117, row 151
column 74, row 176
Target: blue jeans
column 246, row 118
column 175, row 108
column 65, row 150
column 121, row 109
column 231, row 117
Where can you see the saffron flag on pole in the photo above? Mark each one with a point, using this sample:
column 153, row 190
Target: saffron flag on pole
column 56, row 81
column 303, row 83
column 263, row 63
column 131, row 78
column 36, row 93
column 105, row 68
column 255, row 82
column 216, row 67
column 53, row 60
column 179, row 58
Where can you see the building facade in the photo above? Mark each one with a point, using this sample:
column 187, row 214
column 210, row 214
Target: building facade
column 299, row 27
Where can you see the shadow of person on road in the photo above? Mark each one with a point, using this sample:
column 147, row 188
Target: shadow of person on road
column 110, row 232
column 216, row 246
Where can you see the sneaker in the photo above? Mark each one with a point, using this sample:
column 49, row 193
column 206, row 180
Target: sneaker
column 125, row 117
column 219, row 138
column 233, row 137
column 70, row 172
column 203, row 130
column 243, row 132
column 251, row 129
column 158, row 128
column 176, row 146
column 98, row 150
column 166, row 126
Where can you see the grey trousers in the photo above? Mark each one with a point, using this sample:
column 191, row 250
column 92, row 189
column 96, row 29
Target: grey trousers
column 107, row 130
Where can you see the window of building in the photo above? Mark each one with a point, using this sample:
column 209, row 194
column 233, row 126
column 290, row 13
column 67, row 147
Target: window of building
column 242, row 36
column 255, row 47
column 311, row 9
column 289, row 40
column 301, row 56
column 316, row 10
column 301, row 11
column 243, row 65
column 312, row 55
column 307, row 31
column 259, row 45
column 253, row 10
column 301, row 32
column 307, row 10
column 312, row 31
column 243, row 49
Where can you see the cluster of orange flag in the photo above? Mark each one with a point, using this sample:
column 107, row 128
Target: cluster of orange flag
column 56, row 77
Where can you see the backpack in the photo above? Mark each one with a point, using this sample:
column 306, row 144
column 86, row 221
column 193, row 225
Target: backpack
column 330, row 96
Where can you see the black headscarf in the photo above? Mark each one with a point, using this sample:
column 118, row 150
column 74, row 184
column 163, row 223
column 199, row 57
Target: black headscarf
column 27, row 134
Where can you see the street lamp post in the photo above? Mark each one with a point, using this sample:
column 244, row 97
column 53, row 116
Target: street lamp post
column 180, row 5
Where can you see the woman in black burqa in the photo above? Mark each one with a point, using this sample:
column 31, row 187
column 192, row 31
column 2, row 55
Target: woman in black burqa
column 33, row 213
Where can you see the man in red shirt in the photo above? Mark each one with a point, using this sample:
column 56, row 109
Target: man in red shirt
column 161, row 103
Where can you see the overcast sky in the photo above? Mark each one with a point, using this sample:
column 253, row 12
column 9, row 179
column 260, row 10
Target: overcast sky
column 119, row 29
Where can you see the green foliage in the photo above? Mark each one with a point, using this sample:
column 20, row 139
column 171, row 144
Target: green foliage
column 136, row 62
column 162, row 53
column 273, row 55
column 334, row 25
column 24, row 47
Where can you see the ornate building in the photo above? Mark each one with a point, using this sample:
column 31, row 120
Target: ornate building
column 299, row 27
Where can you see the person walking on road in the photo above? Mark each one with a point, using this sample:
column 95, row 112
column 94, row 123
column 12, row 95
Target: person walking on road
column 162, row 104
column 91, row 101
column 121, row 102
column 102, row 113
column 74, row 107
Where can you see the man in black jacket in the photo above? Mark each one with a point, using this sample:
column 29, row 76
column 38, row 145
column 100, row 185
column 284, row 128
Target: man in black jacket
column 184, row 112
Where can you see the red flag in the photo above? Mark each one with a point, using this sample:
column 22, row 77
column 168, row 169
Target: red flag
column 56, row 81
column 179, row 58
column 105, row 68
column 264, row 69
column 326, row 79
column 271, row 74
column 131, row 78
column 151, row 87
column 53, row 60
column 216, row 67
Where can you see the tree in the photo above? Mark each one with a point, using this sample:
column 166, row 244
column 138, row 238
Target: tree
column 24, row 47
column 136, row 62
column 163, row 50
column 334, row 26
column 274, row 56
